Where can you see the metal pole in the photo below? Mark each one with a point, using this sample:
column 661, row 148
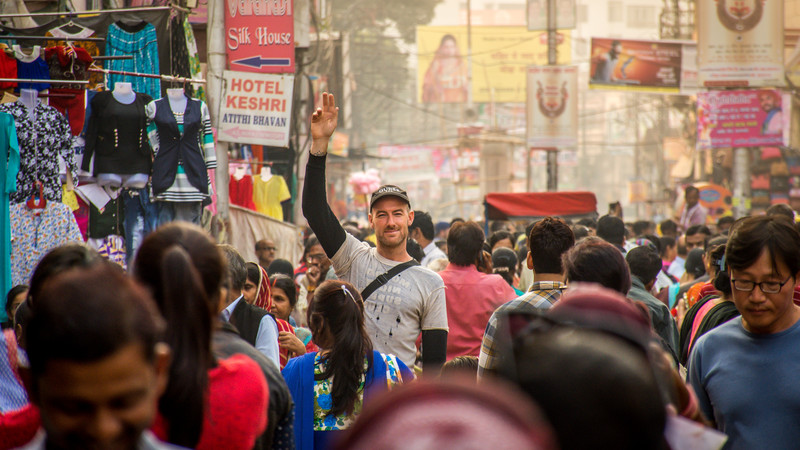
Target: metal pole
column 741, row 181
column 469, row 53
column 216, row 65
column 552, row 154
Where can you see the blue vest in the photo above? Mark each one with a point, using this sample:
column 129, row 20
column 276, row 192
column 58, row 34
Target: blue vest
column 175, row 148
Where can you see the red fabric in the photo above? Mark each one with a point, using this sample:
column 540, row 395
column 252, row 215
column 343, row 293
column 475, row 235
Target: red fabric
column 472, row 297
column 74, row 109
column 796, row 296
column 241, row 192
column 284, row 352
column 17, row 428
column 502, row 206
column 237, row 406
column 264, row 301
column 8, row 69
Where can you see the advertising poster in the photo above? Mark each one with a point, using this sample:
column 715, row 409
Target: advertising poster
column 740, row 43
column 552, row 109
column 259, row 35
column 537, row 14
column 500, row 56
column 751, row 118
column 256, row 108
column 636, row 65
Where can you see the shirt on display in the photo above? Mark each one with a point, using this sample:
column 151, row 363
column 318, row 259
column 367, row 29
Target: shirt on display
column 32, row 66
column 140, row 41
column 269, row 194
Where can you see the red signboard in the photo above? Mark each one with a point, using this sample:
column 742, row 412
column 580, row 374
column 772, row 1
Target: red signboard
column 259, row 35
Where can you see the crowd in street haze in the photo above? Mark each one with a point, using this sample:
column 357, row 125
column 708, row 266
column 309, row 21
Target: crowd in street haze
column 414, row 332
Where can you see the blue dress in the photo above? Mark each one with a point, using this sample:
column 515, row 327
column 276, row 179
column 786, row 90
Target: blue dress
column 8, row 184
column 139, row 41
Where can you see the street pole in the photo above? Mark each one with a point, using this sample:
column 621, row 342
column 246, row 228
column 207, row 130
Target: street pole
column 741, row 181
column 469, row 54
column 216, row 65
column 552, row 154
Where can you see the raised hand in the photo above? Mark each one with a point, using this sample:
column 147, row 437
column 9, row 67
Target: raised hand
column 323, row 124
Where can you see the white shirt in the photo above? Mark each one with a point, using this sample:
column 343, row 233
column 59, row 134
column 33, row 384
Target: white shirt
column 267, row 336
column 432, row 253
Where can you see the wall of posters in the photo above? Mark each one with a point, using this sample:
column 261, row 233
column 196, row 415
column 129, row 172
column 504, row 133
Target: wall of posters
column 654, row 66
column 259, row 35
column 500, row 56
column 552, row 106
column 256, row 108
column 751, row 118
column 740, row 43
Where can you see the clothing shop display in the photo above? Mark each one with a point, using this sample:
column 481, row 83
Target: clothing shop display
column 141, row 217
column 9, row 163
column 139, row 41
column 34, row 232
column 194, row 60
column 69, row 63
column 117, row 136
column 107, row 221
column 179, row 53
column 183, row 144
column 44, row 137
column 241, row 192
column 111, row 247
column 31, row 66
column 8, row 69
column 63, row 37
column 269, row 194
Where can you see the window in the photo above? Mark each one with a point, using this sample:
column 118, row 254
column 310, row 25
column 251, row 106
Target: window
column 641, row 16
column 615, row 11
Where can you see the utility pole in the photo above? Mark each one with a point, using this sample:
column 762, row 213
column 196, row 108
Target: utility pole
column 552, row 154
column 469, row 53
column 216, row 65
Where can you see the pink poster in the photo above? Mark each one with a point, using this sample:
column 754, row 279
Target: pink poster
column 259, row 35
column 752, row 118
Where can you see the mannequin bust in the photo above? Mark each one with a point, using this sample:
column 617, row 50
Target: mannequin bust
column 29, row 98
column 239, row 172
column 177, row 100
column 123, row 93
column 266, row 173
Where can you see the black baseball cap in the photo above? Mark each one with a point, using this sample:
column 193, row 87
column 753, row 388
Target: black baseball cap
column 388, row 190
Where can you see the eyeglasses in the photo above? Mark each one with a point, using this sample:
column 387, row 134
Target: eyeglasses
column 315, row 257
column 767, row 287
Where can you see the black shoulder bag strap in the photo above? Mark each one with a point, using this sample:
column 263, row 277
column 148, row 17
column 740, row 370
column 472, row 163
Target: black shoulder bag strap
column 385, row 277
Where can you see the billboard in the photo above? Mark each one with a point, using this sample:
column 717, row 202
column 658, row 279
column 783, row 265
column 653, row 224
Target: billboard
column 655, row 66
column 552, row 107
column 751, row 118
column 259, row 35
column 537, row 14
column 740, row 43
column 256, row 108
column 500, row 56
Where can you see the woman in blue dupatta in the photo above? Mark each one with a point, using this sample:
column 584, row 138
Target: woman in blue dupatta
column 330, row 386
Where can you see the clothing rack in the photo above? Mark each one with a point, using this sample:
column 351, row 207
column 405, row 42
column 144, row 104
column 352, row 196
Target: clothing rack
column 244, row 161
column 28, row 80
column 51, row 38
column 56, row 95
column 97, row 11
column 118, row 57
column 168, row 78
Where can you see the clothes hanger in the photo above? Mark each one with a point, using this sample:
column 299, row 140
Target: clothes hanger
column 33, row 202
column 71, row 27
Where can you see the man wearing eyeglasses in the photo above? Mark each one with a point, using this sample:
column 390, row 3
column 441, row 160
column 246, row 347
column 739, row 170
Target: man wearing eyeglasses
column 265, row 252
column 745, row 371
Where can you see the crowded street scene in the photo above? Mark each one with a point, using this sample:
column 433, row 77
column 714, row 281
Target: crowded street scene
column 427, row 225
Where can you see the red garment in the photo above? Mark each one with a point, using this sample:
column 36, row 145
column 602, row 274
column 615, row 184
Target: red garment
column 17, row 428
column 74, row 109
column 472, row 297
column 237, row 406
column 8, row 69
column 241, row 192
column 264, row 301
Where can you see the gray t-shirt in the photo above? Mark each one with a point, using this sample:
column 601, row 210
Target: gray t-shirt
column 398, row 311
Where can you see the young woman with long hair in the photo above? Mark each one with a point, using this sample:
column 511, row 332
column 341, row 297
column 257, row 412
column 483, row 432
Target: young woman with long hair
column 330, row 386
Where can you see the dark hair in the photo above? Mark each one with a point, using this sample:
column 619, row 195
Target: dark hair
column 594, row 260
column 666, row 243
column 668, row 227
column 698, row 229
column 690, row 189
column 781, row 210
column 640, row 227
column 587, row 222
column 644, row 263
column 655, row 241
column 21, row 318
column 694, row 263
column 722, row 279
column 342, row 313
column 464, row 243
column 456, row 220
column 59, row 259
column 424, row 222
column 253, row 272
column 579, row 231
column 548, row 240
column 498, row 225
column 611, row 229
column 460, row 365
column 724, row 220
column 12, row 294
column 237, row 269
column 504, row 263
column 414, row 249
column 286, row 284
column 86, row 314
column 280, row 266
column 184, row 270
column 753, row 235
column 498, row 236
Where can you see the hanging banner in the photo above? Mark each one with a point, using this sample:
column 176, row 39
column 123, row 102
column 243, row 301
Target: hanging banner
column 751, row 118
column 259, row 35
column 499, row 59
column 740, row 43
column 537, row 14
column 620, row 64
column 552, row 107
column 256, row 108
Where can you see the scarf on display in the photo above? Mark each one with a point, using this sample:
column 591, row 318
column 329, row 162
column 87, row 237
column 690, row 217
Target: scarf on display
column 264, row 300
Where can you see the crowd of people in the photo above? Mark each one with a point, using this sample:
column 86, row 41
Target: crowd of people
column 413, row 333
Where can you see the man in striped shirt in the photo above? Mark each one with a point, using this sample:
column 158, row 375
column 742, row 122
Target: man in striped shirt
column 548, row 240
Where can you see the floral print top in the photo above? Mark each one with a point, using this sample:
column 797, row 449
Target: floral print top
column 323, row 401
column 45, row 143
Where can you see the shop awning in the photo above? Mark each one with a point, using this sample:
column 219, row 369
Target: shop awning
column 531, row 205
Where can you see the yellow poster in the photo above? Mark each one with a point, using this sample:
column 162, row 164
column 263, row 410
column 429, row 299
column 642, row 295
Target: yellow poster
column 500, row 57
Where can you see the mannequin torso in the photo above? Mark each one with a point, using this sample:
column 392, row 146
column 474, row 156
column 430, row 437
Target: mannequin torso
column 123, row 93
column 177, row 100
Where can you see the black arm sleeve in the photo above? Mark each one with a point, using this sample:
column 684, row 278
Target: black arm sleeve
column 320, row 218
column 434, row 351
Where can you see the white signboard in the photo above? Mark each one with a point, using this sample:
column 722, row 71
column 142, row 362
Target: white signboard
column 256, row 108
column 552, row 109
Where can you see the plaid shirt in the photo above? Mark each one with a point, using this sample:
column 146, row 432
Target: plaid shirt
column 541, row 295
